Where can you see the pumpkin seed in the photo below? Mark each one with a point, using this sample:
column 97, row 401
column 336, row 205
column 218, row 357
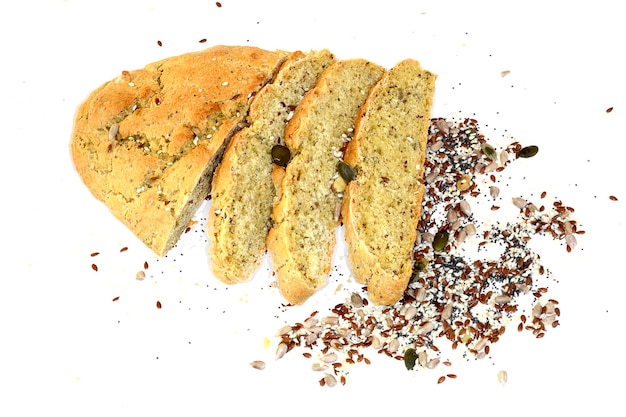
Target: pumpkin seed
column 489, row 151
column 410, row 357
column 281, row 155
column 528, row 151
column 441, row 240
column 420, row 266
column 345, row 171
column 464, row 182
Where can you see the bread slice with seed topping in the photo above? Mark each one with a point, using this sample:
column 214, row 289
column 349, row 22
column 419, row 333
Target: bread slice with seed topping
column 242, row 191
column 146, row 143
column 305, row 216
column 382, row 205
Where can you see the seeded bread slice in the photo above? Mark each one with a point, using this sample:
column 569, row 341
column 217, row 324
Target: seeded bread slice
column 382, row 205
column 146, row 143
column 305, row 216
column 242, row 191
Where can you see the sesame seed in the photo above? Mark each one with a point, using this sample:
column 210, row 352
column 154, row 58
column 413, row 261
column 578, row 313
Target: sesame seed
column 465, row 301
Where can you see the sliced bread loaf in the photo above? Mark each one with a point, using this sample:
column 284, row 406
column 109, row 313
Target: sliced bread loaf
column 382, row 205
column 305, row 216
column 146, row 143
column 242, row 191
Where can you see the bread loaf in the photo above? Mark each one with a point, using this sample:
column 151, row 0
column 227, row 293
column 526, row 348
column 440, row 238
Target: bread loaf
column 242, row 191
column 382, row 205
column 146, row 143
column 305, row 216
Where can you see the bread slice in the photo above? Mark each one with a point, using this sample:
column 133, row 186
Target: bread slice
column 382, row 205
column 146, row 143
column 305, row 216
column 242, row 191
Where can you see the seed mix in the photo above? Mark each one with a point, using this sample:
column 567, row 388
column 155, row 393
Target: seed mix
column 454, row 298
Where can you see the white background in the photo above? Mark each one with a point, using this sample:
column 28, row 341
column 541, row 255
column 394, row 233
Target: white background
column 67, row 349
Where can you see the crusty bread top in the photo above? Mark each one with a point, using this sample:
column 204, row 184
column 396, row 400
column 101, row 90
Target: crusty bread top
column 302, row 239
column 243, row 192
column 146, row 143
column 382, row 205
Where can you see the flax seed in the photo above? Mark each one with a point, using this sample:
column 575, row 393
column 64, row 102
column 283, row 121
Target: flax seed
column 491, row 289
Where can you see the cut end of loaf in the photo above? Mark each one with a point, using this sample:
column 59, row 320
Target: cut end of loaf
column 243, row 189
column 302, row 238
column 382, row 205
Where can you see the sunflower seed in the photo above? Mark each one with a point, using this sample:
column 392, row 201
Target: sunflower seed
column 519, row 202
column 394, row 345
column 376, row 343
column 502, row 299
column 470, row 229
column 425, row 328
column 504, row 158
column 503, row 377
column 570, row 240
column 283, row 330
column 461, row 236
column 436, row 146
column 113, row 131
column 420, row 294
column 491, row 167
column 258, row 365
column 465, row 208
column 428, row 237
column 317, row 367
column 443, row 127
column 356, row 300
column 410, row 313
column 330, row 380
column 432, row 364
column 330, row 358
column 480, row 345
column 281, row 350
column 451, row 216
column 422, row 358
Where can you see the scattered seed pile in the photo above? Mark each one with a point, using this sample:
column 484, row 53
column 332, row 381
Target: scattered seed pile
column 461, row 293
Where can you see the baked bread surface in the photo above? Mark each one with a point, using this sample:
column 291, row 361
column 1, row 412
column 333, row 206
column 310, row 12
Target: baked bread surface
column 242, row 190
column 146, row 143
column 382, row 205
column 305, row 215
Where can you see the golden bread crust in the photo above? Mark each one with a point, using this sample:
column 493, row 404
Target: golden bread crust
column 302, row 238
column 382, row 205
column 146, row 143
